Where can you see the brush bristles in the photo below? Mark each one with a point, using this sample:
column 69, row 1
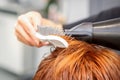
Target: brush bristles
column 47, row 30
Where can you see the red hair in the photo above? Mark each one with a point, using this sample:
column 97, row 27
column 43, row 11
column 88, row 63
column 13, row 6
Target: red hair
column 80, row 61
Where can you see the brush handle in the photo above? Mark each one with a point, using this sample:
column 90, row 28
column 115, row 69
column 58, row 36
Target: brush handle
column 54, row 40
column 41, row 37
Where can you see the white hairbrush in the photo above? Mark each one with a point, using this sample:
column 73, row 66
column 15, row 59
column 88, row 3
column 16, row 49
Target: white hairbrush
column 48, row 34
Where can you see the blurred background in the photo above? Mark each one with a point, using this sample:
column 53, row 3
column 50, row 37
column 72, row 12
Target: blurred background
column 18, row 61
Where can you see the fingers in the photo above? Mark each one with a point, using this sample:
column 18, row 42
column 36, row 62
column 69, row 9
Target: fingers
column 21, row 39
column 35, row 19
column 28, row 28
column 25, row 31
column 23, row 36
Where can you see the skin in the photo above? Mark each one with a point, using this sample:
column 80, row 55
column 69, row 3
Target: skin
column 26, row 26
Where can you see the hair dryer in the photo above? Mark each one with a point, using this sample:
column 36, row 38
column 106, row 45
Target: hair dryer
column 105, row 33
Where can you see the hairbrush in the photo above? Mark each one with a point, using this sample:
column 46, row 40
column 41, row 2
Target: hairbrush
column 49, row 34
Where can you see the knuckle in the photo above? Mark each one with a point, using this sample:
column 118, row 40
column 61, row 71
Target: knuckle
column 34, row 13
column 21, row 18
column 30, row 41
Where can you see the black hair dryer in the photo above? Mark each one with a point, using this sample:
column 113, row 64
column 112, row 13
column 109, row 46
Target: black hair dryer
column 105, row 33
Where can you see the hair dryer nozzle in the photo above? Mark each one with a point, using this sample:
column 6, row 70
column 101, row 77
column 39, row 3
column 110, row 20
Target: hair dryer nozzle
column 81, row 32
column 105, row 33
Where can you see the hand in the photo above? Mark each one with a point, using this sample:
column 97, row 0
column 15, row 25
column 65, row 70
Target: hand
column 25, row 29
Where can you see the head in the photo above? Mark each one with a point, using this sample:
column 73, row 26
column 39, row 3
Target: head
column 80, row 61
